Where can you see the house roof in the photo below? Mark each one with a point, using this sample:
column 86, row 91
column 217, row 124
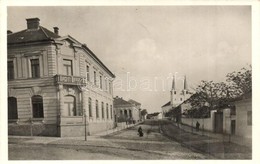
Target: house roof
column 43, row 34
column 31, row 35
column 118, row 101
column 134, row 102
column 167, row 104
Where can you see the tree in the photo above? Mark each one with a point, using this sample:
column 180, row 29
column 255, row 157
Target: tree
column 143, row 113
column 239, row 82
column 211, row 95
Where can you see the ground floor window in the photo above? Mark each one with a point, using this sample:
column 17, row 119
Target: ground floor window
column 37, row 107
column 69, row 106
column 12, row 108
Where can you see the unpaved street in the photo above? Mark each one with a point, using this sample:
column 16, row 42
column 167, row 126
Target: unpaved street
column 125, row 144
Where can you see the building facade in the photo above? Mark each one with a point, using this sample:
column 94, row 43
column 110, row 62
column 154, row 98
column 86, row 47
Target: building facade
column 56, row 85
column 127, row 111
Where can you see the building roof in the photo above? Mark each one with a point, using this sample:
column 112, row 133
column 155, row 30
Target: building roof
column 118, row 101
column 31, row 35
column 134, row 102
column 167, row 104
column 38, row 33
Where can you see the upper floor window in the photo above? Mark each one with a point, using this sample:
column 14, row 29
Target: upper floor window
column 88, row 76
column 37, row 107
column 12, row 108
column 10, row 70
column 67, row 67
column 106, row 84
column 35, row 68
column 95, row 78
column 100, row 80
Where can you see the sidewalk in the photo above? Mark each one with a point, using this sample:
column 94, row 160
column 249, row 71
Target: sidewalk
column 206, row 142
column 220, row 136
column 93, row 140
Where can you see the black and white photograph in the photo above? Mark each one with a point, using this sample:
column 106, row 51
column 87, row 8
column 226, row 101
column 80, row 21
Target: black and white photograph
column 129, row 82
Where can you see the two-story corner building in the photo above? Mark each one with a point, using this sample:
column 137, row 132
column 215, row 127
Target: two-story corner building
column 56, row 85
column 127, row 111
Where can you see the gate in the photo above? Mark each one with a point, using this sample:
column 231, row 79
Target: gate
column 218, row 127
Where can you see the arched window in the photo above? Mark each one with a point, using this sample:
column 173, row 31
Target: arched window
column 107, row 111
column 12, row 108
column 97, row 111
column 111, row 112
column 69, row 106
column 37, row 107
column 90, row 107
column 102, row 108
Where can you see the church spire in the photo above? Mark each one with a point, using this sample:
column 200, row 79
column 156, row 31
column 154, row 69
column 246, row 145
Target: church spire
column 173, row 83
column 185, row 83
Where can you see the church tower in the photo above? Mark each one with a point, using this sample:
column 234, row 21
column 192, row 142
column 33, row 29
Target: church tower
column 179, row 95
column 173, row 91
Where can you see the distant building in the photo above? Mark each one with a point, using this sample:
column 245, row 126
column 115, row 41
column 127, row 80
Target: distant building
column 53, row 82
column 177, row 96
column 156, row 115
column 127, row 111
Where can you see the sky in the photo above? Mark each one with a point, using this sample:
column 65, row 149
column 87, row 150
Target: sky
column 144, row 46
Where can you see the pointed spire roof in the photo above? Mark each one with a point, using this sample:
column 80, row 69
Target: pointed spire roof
column 185, row 83
column 173, row 83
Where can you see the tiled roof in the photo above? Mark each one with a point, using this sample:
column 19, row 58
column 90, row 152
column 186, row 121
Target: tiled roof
column 134, row 102
column 31, row 35
column 120, row 101
column 167, row 104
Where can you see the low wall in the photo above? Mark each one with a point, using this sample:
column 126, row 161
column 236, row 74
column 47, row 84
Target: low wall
column 34, row 130
column 207, row 122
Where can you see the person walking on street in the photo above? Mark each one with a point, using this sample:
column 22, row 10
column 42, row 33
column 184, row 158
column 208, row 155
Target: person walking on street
column 197, row 126
column 140, row 132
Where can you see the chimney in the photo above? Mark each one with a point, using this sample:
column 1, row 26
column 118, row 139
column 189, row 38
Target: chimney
column 33, row 23
column 9, row 32
column 56, row 30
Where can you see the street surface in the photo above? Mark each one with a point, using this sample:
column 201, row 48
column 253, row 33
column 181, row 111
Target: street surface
column 125, row 145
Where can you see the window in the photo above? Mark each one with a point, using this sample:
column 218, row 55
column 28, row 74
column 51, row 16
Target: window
column 67, row 67
column 97, row 111
column 12, row 108
column 89, row 107
column 110, row 87
column 130, row 113
column 180, row 99
column 10, row 70
column 102, row 106
column 37, row 107
column 95, row 78
column 175, row 92
column 70, row 106
column 106, row 84
column 107, row 111
column 35, row 68
column 100, row 80
column 111, row 111
column 125, row 113
column 249, row 118
column 88, row 77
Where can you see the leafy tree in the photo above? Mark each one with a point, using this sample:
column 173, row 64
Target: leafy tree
column 239, row 82
column 144, row 112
